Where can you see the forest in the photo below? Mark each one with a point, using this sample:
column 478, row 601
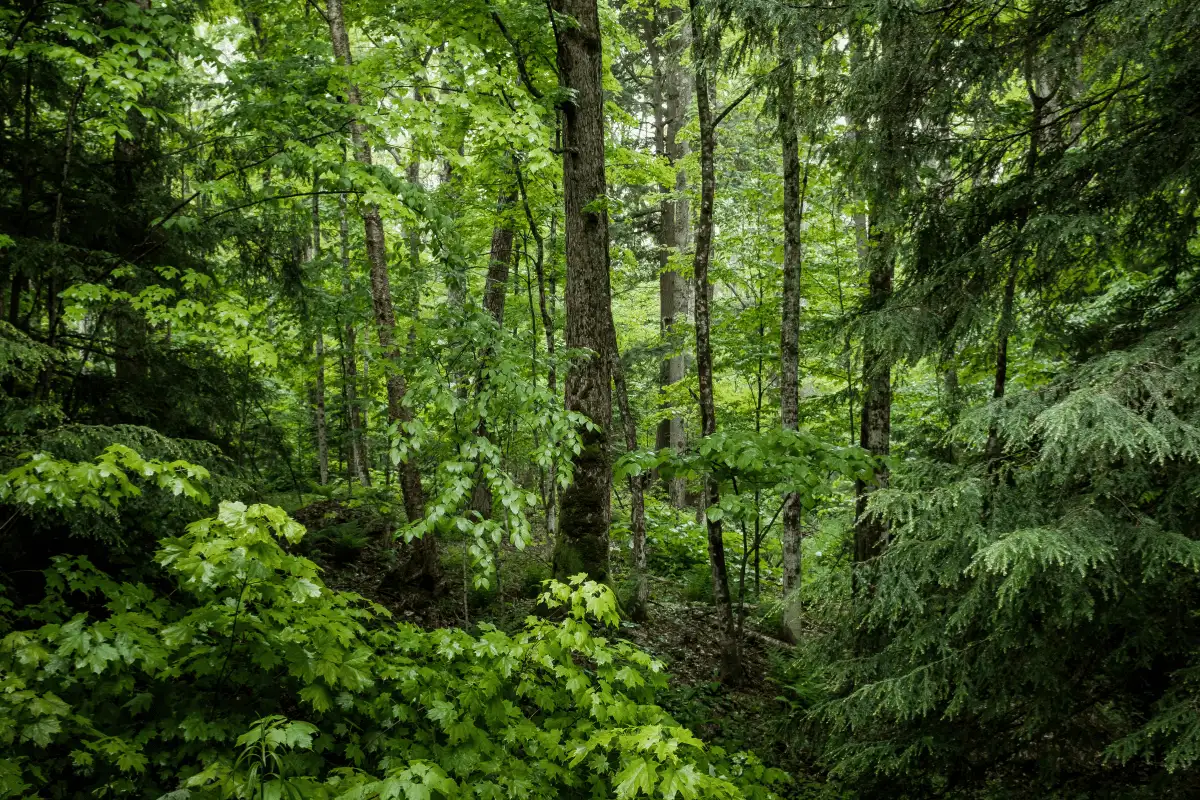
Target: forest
column 581, row 399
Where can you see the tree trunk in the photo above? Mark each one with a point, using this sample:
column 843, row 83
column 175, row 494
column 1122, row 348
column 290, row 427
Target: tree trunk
column 53, row 307
column 130, row 331
column 875, row 429
column 357, row 456
column 322, row 434
column 552, row 517
column 731, row 662
column 550, row 498
column 582, row 545
column 995, row 447
column 319, row 348
column 500, row 256
column 876, row 246
column 670, row 101
column 795, row 186
column 424, row 566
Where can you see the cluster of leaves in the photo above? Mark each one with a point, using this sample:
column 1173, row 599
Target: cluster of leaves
column 23, row 359
column 460, row 399
column 99, row 486
column 779, row 461
column 222, row 326
column 183, row 686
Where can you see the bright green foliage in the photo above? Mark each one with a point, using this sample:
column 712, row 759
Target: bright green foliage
column 453, row 415
column 777, row 461
column 223, row 326
column 126, row 689
column 98, row 486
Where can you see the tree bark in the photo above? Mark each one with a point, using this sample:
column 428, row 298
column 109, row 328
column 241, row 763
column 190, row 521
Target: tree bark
column 424, row 562
column 795, row 186
column 876, row 245
column 500, row 256
column 731, row 662
column 670, row 100
column 875, row 429
column 357, row 456
column 319, row 351
column 322, row 434
column 53, row 307
column 550, row 498
column 582, row 544
column 995, row 446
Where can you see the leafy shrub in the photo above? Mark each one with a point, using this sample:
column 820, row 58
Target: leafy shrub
column 675, row 544
column 124, row 689
column 99, row 456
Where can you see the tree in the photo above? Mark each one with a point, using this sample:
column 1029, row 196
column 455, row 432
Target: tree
column 425, row 566
column 671, row 92
column 582, row 545
column 795, row 185
column 878, row 234
column 319, row 353
column 495, row 290
column 702, row 42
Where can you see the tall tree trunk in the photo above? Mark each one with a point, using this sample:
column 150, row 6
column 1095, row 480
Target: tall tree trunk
column 130, row 331
column 322, row 434
column 494, row 291
column 18, row 280
column 53, row 279
column 582, row 544
column 876, row 244
column 875, row 429
column 995, row 446
column 319, row 348
column 413, row 238
column 499, row 257
column 354, row 422
column 731, row 662
column 670, row 99
column 424, row 566
column 551, row 297
column 795, row 187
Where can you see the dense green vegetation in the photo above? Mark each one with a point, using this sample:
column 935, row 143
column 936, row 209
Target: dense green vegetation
column 599, row 399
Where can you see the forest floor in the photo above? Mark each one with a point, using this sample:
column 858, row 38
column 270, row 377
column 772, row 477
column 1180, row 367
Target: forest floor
column 356, row 550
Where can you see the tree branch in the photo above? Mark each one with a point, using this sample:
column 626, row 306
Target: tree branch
column 522, row 70
column 240, row 206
